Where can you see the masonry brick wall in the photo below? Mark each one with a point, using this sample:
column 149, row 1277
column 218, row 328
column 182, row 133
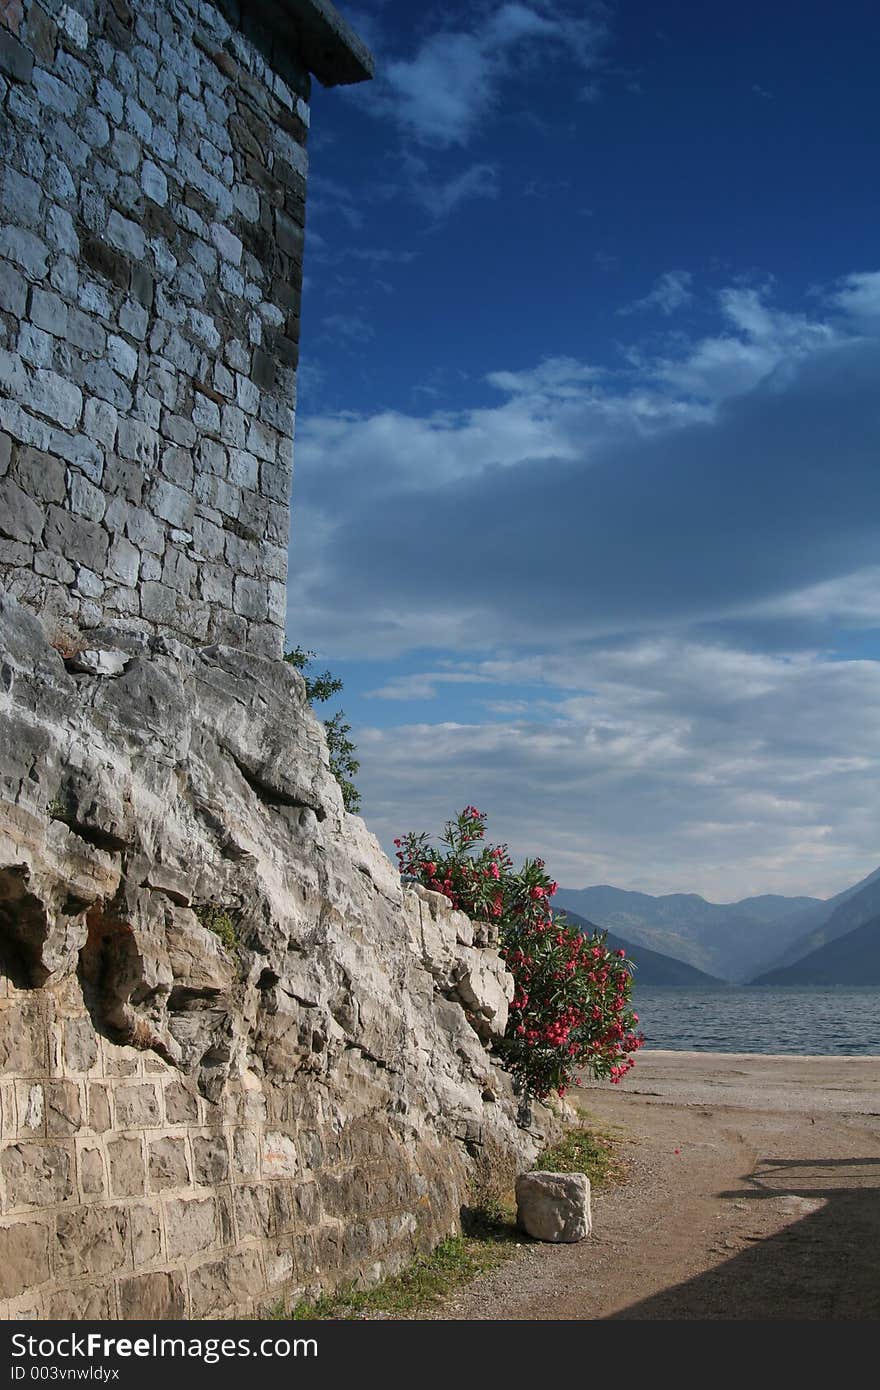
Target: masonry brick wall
column 152, row 207
column 125, row 1194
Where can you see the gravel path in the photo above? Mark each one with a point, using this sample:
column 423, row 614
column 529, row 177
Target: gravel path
column 752, row 1191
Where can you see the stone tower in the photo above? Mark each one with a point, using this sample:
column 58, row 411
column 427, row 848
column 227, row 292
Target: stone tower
column 240, row 1061
column 152, row 209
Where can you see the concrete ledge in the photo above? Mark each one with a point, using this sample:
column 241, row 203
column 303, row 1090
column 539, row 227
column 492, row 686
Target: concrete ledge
column 319, row 35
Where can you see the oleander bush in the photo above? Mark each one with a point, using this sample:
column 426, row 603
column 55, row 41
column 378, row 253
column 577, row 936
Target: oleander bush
column 571, row 1009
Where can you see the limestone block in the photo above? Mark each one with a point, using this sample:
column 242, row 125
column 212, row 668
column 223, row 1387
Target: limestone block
column 137, row 1105
column 24, row 1257
column 152, row 1297
column 41, row 475
column 63, row 1111
column 99, row 1108
column 127, row 236
column 279, row 1155
column 127, row 1170
column 37, row 1174
column 24, row 1036
column 79, row 1304
column 554, row 1206
column 123, row 562
column 24, row 250
column 145, row 1225
column 13, row 290
column 191, row 1225
column 49, row 312
column 91, row 1241
column 91, row 1172
column 21, row 519
column 30, row 1105
column 181, row 1106
column 86, row 499
column 252, row 1210
column 168, row 1166
column 245, row 1153
column 221, row 1284
column 210, row 1159
column 79, row 540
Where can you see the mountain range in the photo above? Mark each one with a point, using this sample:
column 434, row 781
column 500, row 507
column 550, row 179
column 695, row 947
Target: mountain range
column 739, row 942
column 652, row 968
column 852, row 959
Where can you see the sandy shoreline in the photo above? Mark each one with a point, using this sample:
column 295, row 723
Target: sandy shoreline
column 761, row 1081
column 752, row 1191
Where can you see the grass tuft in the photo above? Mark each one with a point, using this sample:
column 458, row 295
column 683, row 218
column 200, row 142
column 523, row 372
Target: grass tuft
column 584, row 1150
column 456, row 1261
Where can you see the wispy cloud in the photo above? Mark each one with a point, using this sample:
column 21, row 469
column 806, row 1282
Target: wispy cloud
column 858, row 296
column 671, row 292
column 441, row 93
column 440, row 198
column 353, row 328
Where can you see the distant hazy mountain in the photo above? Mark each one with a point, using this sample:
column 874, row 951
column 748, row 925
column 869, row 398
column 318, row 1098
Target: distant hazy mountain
column 840, row 915
column 730, row 940
column 652, row 968
column 852, row 959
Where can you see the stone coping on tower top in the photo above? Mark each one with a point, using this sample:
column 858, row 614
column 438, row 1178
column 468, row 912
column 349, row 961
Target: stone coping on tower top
column 316, row 29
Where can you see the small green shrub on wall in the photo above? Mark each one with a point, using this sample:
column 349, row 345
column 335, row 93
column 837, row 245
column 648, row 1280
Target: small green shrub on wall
column 343, row 764
column 218, row 920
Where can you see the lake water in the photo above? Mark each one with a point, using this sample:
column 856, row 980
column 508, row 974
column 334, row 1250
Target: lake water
column 807, row 1021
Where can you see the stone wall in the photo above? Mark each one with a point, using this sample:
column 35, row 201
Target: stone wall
column 152, row 207
column 126, row 1194
column 238, row 1060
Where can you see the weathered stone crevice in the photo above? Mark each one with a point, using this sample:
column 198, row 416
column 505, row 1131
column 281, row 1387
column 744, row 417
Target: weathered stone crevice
column 271, row 795
column 24, row 928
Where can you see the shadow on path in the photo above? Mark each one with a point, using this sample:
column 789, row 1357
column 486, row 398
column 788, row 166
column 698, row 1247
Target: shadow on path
column 810, row 1229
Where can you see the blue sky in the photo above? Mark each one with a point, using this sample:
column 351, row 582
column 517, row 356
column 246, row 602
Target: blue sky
column 586, row 494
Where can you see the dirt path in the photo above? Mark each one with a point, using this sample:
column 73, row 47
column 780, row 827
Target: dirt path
column 753, row 1191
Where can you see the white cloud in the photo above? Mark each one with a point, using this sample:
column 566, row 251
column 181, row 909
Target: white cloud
column 642, row 575
column 759, row 339
column 669, row 766
column 859, row 296
column 672, row 291
column 695, row 487
column 852, row 600
column 442, row 93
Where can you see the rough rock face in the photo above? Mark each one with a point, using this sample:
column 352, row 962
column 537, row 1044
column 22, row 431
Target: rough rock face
column 239, row 1060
